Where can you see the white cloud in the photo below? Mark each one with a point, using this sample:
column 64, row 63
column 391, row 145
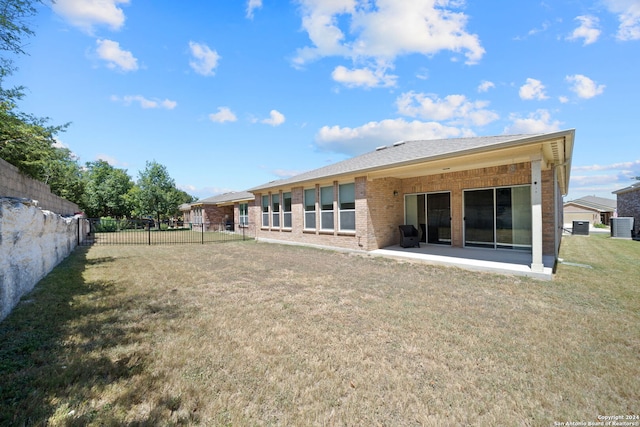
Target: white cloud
column 532, row 89
column 485, row 85
column 146, row 103
column 276, row 118
column 116, row 57
column 224, row 114
column 363, row 77
column 382, row 30
column 625, row 166
column 603, row 179
column 107, row 158
column 537, row 122
column 251, row 6
column 563, row 99
column 584, row 87
column 358, row 140
column 85, row 14
column 205, row 60
column 544, row 27
column 59, row 144
column 456, row 109
column 628, row 12
column 587, row 30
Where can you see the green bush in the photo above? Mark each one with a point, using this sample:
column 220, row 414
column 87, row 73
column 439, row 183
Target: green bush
column 107, row 225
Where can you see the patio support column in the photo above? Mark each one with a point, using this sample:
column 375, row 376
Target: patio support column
column 536, row 214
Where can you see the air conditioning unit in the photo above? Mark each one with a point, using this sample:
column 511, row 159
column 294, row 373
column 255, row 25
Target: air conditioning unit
column 580, row 228
column 621, row 227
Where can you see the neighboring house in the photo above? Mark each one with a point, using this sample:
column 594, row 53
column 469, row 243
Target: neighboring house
column 595, row 210
column 229, row 211
column 628, row 202
column 185, row 212
column 497, row 192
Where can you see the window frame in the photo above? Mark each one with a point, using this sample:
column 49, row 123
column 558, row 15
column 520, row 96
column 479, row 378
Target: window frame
column 306, row 205
column 275, row 210
column 243, row 214
column 287, row 200
column 350, row 207
column 265, row 211
column 324, row 210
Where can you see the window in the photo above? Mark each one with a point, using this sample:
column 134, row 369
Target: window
column 347, row 206
column 244, row 214
column 275, row 210
column 265, row 211
column 310, row 208
column 326, row 208
column 286, row 210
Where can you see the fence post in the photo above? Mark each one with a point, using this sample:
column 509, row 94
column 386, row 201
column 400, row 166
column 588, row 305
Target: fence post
column 202, row 234
column 149, row 234
column 78, row 222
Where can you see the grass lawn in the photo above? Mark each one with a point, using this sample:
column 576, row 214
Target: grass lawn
column 249, row 333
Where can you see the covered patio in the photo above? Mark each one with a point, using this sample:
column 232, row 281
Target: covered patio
column 502, row 261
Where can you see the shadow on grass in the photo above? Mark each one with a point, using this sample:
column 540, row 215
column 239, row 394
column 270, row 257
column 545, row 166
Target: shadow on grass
column 66, row 343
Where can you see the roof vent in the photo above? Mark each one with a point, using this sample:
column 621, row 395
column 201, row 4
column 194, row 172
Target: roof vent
column 382, row 147
column 396, row 144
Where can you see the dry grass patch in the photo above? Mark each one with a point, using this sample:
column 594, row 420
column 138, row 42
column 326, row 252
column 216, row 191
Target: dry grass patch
column 255, row 334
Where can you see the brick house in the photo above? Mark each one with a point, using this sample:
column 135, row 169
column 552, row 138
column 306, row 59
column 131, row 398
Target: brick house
column 628, row 204
column 228, row 211
column 497, row 192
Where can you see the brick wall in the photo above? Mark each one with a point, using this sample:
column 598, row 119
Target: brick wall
column 548, row 213
column 297, row 233
column 629, row 206
column 380, row 207
column 385, row 211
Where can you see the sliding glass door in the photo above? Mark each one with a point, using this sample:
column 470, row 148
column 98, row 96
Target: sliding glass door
column 498, row 218
column 430, row 213
column 479, row 224
column 439, row 218
column 513, row 217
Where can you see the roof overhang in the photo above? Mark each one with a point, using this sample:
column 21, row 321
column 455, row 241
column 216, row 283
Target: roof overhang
column 554, row 149
column 634, row 187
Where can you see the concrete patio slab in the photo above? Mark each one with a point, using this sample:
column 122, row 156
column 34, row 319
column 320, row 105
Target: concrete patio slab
column 489, row 260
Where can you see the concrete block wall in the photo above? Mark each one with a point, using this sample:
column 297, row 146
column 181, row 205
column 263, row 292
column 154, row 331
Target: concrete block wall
column 15, row 184
column 32, row 242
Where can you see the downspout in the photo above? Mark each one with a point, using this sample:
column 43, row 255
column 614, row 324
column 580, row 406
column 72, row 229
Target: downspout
column 558, row 226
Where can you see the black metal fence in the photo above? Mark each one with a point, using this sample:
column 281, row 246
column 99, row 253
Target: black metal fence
column 101, row 231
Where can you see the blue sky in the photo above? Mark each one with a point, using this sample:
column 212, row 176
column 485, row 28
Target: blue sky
column 232, row 94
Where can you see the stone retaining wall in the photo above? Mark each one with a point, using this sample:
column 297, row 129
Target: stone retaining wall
column 32, row 242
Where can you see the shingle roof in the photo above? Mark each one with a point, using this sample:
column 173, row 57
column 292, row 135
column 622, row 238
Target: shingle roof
column 632, row 187
column 402, row 153
column 597, row 203
column 235, row 196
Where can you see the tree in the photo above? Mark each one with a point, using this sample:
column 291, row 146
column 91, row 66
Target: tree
column 26, row 141
column 155, row 194
column 106, row 190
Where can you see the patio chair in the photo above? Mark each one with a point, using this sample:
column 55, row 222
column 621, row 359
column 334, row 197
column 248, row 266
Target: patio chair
column 409, row 236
